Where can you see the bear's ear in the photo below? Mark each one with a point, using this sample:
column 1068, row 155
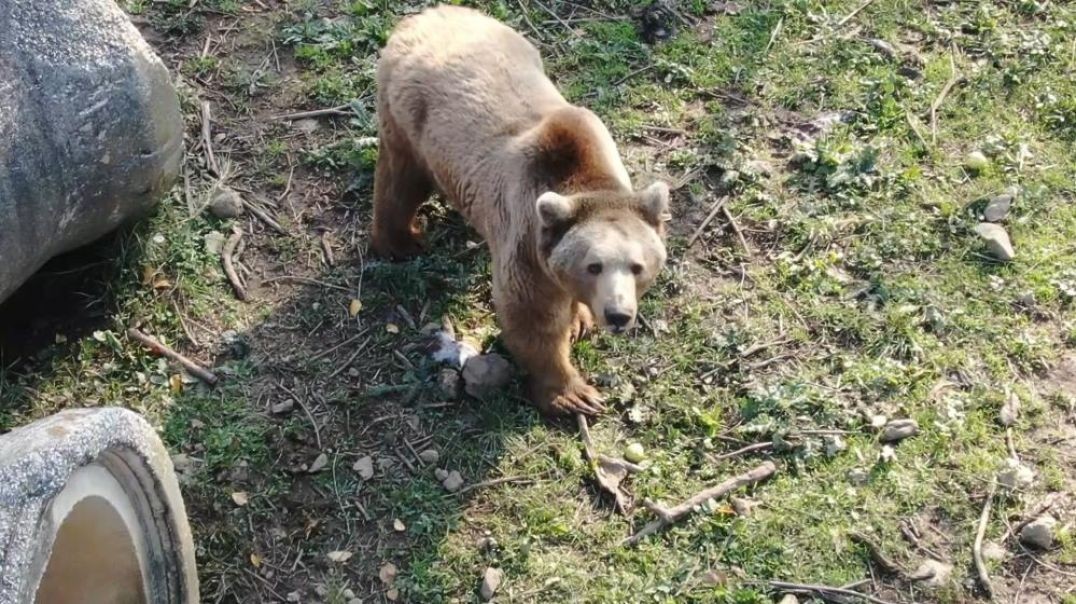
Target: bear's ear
column 654, row 201
column 554, row 209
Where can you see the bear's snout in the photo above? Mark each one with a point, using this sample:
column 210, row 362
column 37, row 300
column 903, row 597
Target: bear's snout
column 619, row 320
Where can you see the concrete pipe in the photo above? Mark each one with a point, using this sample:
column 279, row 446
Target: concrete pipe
column 90, row 513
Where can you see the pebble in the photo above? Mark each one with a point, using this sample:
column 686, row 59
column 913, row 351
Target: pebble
column 994, row 551
column 365, row 467
column 214, row 242
column 1010, row 410
column 430, row 456
column 319, row 464
column 938, row 572
column 899, row 429
column 283, row 407
column 789, row 599
column 997, row 209
column 453, row 482
column 440, row 474
column 976, row 161
column 226, row 203
column 485, row 374
column 1039, row 534
column 834, row 444
column 858, row 476
column 307, row 125
column 491, row 582
column 448, row 382
column 997, row 241
column 1016, row 475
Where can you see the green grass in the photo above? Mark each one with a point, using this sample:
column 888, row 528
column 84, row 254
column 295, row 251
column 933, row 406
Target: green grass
column 865, row 279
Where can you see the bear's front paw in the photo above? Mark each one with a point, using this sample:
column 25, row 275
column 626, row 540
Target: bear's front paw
column 397, row 246
column 572, row 398
column 582, row 322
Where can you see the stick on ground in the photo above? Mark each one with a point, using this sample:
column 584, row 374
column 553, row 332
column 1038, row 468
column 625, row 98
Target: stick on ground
column 823, row 590
column 156, row 346
column 720, row 203
column 667, row 516
column 229, row 269
column 980, row 565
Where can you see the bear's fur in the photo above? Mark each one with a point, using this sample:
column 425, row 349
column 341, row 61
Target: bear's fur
column 464, row 107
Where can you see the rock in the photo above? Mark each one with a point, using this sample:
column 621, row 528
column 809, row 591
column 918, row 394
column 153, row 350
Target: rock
column 214, row 242
column 91, row 133
column 491, row 582
column 878, row 421
column 448, row 382
column 440, row 474
column 997, row 209
column 976, row 161
column 1015, row 475
column 884, row 48
column 834, row 444
column 899, row 429
column 485, row 374
column 364, row 467
column 1039, row 534
column 997, row 241
column 758, row 167
column 282, row 407
column 888, row 454
column 743, row 506
column 319, row 464
column 430, row 456
column 294, row 596
column 348, row 594
column 858, row 476
column 452, row 482
column 789, row 599
column 225, row 203
column 992, row 550
column 354, row 601
column 934, row 573
column 307, row 125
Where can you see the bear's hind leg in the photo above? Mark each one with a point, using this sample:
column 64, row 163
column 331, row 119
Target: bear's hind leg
column 401, row 185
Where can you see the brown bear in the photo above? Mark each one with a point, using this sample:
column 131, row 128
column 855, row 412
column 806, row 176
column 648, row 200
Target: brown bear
column 464, row 106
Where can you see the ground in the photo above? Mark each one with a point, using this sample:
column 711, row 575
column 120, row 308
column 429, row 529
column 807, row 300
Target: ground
column 845, row 282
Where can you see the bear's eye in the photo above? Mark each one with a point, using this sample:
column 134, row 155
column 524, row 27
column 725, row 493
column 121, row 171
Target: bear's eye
column 636, row 269
column 594, row 268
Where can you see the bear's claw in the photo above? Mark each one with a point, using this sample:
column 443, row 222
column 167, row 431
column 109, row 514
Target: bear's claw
column 571, row 399
column 582, row 322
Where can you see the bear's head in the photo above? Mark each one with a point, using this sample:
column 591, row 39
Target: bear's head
column 606, row 248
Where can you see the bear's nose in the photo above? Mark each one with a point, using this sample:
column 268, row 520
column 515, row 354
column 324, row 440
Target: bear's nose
column 617, row 319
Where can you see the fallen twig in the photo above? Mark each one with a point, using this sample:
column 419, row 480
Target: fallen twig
column 977, row 551
column 306, row 280
column 327, row 249
column 736, row 229
column 491, row 483
column 349, row 360
column 156, row 346
column 744, row 451
column 264, row 217
column 1019, row 526
column 339, row 110
column 229, row 269
column 890, row 566
column 773, row 36
column 302, row 405
column 207, row 139
column 714, row 209
column 823, row 590
column 667, row 516
column 338, row 346
column 608, row 471
column 852, row 15
column 953, row 80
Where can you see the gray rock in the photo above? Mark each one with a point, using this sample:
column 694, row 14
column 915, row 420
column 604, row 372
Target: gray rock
column 448, row 382
column 491, row 582
column 997, row 241
column 453, row 482
column 214, row 242
column 997, row 209
column 899, row 429
column 1039, row 534
column 364, row 467
column 430, row 456
column 485, row 374
column 934, row 573
column 91, row 134
column 1015, row 475
column 992, row 550
column 858, row 476
column 1010, row 410
column 307, row 125
column 789, row 599
column 226, row 203
column 283, row 407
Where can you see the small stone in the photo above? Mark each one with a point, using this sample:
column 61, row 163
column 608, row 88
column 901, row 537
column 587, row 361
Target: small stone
column 934, row 573
column 226, row 203
column 877, row 421
column 743, row 506
column 430, row 456
column 319, row 464
column 448, row 382
column 321, row 590
column 789, row 599
column 858, row 476
column 214, row 242
column 993, row 551
column 354, row 601
column 1039, row 534
column 348, row 594
column 485, row 374
column 440, row 474
column 392, row 595
column 283, row 407
column 307, row 125
column 997, row 209
column 399, row 526
column 491, row 581
column 888, row 454
column 453, row 482
column 884, row 48
column 976, row 161
column 182, row 463
column 387, row 573
column 295, row 596
column 634, row 453
column 364, row 467
column 899, row 429
column 1015, row 475
column 834, row 444
column 997, row 241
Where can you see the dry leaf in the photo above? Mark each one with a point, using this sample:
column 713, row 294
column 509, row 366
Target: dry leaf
column 355, row 307
column 256, row 560
column 319, row 463
column 176, row 383
column 392, row 328
column 392, row 595
column 387, row 574
column 340, row 556
column 240, row 498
